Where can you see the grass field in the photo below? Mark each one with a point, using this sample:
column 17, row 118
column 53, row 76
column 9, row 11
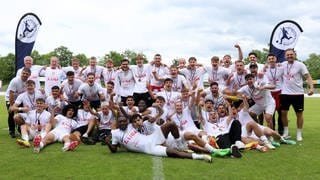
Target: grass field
column 300, row 161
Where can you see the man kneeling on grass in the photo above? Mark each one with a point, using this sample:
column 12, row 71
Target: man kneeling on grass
column 152, row 144
column 62, row 126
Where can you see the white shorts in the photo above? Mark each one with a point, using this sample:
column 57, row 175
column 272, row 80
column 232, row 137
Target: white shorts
column 258, row 109
column 58, row 134
column 155, row 147
column 171, row 142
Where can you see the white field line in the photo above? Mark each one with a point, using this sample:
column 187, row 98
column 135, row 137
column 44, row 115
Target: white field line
column 157, row 168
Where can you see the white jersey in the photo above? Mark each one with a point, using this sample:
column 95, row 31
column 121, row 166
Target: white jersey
column 184, row 121
column 83, row 117
column 96, row 70
column 131, row 111
column 35, row 118
column 179, row 82
column 131, row 139
column 17, row 86
column 215, row 129
column 171, row 98
column 293, row 77
column 29, row 100
column 194, row 76
column 216, row 100
column 260, row 67
column 124, row 83
column 141, row 76
column 260, row 97
column 76, row 71
column 65, row 125
column 106, row 120
column 53, row 77
column 52, row 103
column 35, row 73
column 161, row 71
column 69, row 90
column 108, row 75
column 90, row 93
column 237, row 81
column 275, row 76
column 154, row 112
column 219, row 75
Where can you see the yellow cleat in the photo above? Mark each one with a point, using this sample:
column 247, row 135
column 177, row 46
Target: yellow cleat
column 23, row 143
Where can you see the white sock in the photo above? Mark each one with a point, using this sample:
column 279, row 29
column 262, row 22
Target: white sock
column 85, row 135
column 205, row 138
column 285, row 131
column 41, row 145
column 197, row 156
column 209, row 148
column 299, row 132
column 263, row 138
column 25, row 137
column 66, row 144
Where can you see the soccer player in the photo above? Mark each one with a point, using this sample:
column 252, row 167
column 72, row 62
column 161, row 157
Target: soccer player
column 69, row 88
column 292, row 92
column 194, row 74
column 62, row 126
column 75, row 67
column 16, row 86
column 160, row 70
column 217, row 73
column 54, row 101
column 93, row 68
column 108, row 72
column 132, row 140
column 35, row 123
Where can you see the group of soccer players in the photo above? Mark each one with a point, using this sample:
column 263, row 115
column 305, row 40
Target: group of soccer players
column 159, row 109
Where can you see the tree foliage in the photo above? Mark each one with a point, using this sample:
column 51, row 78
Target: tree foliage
column 118, row 57
column 313, row 65
column 7, row 66
column 261, row 56
column 64, row 55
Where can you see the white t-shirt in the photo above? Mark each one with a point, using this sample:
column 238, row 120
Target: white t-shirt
column 34, row 118
column 193, row 76
column 141, row 77
column 220, row 76
column 179, row 83
column 124, row 83
column 97, row 71
column 275, row 76
column 260, row 97
column 52, row 102
column 131, row 139
column 53, row 77
column 69, row 90
column 161, row 71
column 29, row 99
column 215, row 129
column 216, row 100
column 90, row 93
column 76, row 71
column 170, row 97
column 293, row 77
column 65, row 125
column 83, row 117
column 35, row 73
column 184, row 121
column 105, row 120
column 237, row 81
column 108, row 75
column 17, row 86
column 244, row 117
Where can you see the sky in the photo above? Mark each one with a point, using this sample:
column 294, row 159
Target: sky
column 172, row 28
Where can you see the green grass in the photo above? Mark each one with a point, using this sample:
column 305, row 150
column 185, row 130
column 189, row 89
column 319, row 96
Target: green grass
column 96, row 162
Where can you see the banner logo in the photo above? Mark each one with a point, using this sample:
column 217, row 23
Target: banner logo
column 28, row 29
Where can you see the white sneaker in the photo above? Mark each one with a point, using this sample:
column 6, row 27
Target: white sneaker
column 299, row 138
column 207, row 158
column 269, row 145
column 240, row 145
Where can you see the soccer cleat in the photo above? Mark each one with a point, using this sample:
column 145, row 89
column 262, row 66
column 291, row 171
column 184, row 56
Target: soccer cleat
column 275, row 144
column 221, row 152
column 269, row 145
column 207, row 158
column 299, row 138
column 251, row 145
column 23, row 143
column 88, row 141
column 71, row 147
column 36, row 144
column 288, row 141
column 235, row 153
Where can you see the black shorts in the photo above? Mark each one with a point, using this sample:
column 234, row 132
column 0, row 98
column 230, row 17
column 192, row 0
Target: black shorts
column 297, row 101
column 81, row 129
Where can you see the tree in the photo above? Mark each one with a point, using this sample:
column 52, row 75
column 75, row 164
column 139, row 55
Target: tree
column 83, row 59
column 118, row 57
column 7, row 66
column 36, row 57
column 64, row 55
column 313, row 66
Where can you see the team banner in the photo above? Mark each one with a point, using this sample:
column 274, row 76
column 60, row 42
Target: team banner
column 26, row 33
column 285, row 35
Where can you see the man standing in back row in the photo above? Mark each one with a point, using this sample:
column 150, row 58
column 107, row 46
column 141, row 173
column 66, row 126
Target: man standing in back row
column 292, row 91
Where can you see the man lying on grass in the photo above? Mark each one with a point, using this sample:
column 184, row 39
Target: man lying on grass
column 127, row 136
